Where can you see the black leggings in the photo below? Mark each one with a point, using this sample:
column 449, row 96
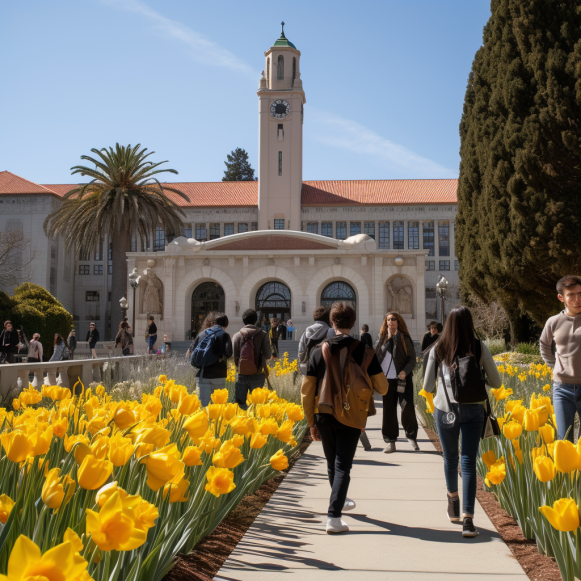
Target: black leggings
column 390, row 427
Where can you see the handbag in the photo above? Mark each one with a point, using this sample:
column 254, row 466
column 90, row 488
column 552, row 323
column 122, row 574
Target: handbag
column 126, row 351
column 490, row 427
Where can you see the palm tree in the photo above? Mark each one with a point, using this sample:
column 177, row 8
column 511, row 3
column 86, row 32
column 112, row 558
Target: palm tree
column 124, row 200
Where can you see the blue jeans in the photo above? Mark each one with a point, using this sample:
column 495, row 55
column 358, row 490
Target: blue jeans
column 566, row 401
column 151, row 341
column 245, row 384
column 469, row 422
column 207, row 387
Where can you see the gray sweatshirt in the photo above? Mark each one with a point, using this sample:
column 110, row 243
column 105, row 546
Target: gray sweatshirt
column 560, row 345
column 316, row 332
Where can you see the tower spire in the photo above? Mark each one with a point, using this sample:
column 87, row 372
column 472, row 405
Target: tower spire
column 282, row 24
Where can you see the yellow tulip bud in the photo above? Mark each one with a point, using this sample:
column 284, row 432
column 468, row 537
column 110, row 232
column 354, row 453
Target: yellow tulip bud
column 239, row 425
column 563, row 516
column 15, row 404
column 512, row 430
column 162, row 465
column 566, row 456
column 497, row 472
column 489, row 458
column 220, row 481
column 279, row 461
column 55, row 488
column 501, row 393
column 197, row 425
column 93, row 473
column 544, row 468
column 6, row 506
column 257, row 441
column 237, row 440
column 269, row 426
column 220, row 396
column 123, row 416
column 285, row 432
column 191, row 456
column 295, row 412
column 120, row 450
column 189, row 404
column 547, row 433
column 228, row 457
column 177, row 487
column 17, row 445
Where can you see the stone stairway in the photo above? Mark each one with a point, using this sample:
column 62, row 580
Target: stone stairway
column 290, row 347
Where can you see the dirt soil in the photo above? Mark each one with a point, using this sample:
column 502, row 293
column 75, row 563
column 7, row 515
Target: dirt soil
column 211, row 552
column 537, row 567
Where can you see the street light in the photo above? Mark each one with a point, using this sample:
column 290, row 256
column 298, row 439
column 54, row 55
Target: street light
column 442, row 290
column 134, row 278
column 124, row 306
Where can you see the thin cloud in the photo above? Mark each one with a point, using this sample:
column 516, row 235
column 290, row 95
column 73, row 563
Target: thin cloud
column 199, row 47
column 346, row 134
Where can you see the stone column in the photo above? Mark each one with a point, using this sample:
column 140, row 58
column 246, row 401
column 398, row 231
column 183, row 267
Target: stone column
column 406, row 234
column 221, row 229
column 348, row 228
column 436, row 243
column 452, row 244
column 320, row 227
column 168, row 300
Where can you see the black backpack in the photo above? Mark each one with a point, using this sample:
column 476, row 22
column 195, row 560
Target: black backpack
column 467, row 378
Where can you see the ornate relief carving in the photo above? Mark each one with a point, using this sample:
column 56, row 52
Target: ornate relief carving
column 399, row 295
column 152, row 294
column 206, row 261
column 337, row 260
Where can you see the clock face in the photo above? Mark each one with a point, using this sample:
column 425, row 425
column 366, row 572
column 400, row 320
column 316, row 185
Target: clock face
column 280, row 109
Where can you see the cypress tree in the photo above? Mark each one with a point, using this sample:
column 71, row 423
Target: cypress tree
column 519, row 204
column 238, row 168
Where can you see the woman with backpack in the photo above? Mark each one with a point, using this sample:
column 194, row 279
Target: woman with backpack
column 396, row 354
column 460, row 364
column 125, row 339
column 60, row 349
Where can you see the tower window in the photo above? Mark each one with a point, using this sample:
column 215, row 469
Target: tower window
column 294, row 71
column 280, row 163
column 280, row 68
column 268, row 72
column 280, row 132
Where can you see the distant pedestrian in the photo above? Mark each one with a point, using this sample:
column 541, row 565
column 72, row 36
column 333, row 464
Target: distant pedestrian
column 313, row 336
column 290, row 327
column 124, row 339
column 208, row 321
column 431, row 336
column 365, row 336
column 151, row 334
column 8, row 342
column 459, row 342
column 325, row 390
column 561, row 349
column 273, row 336
column 282, row 330
column 60, row 349
column 93, row 338
column 211, row 351
column 72, row 341
column 35, row 350
column 251, row 352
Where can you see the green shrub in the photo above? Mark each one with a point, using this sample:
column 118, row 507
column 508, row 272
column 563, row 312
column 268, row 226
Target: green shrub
column 528, row 349
column 495, row 346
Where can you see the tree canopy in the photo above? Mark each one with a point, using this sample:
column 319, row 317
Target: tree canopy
column 238, row 168
column 520, row 172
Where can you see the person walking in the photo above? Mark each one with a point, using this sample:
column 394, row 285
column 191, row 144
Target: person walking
column 273, row 336
column 251, row 352
column 212, row 345
column 72, row 341
column 9, row 342
column 459, row 341
column 289, row 329
column 330, row 364
column 396, row 354
column 431, row 336
column 560, row 345
column 124, row 339
column 35, row 350
column 313, row 336
column 93, row 338
column 60, row 349
column 282, row 331
column 365, row 336
column 151, row 334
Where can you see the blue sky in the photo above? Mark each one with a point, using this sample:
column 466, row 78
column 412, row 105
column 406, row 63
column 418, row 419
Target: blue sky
column 384, row 82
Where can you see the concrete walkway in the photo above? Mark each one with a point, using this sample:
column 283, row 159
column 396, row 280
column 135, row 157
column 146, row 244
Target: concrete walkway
column 399, row 530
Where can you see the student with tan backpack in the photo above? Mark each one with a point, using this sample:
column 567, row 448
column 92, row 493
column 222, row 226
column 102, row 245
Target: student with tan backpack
column 337, row 395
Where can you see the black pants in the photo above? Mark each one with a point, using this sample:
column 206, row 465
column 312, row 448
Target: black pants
column 339, row 444
column 390, row 427
column 274, row 347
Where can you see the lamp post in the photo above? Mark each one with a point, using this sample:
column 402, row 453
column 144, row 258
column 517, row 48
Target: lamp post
column 133, row 283
column 442, row 290
column 124, row 306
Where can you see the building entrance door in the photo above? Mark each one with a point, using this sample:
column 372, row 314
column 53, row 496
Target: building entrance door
column 273, row 299
column 209, row 296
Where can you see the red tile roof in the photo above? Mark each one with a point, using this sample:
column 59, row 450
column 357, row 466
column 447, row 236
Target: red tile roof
column 314, row 193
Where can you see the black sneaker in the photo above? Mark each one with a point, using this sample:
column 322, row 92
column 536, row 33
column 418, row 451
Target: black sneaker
column 469, row 530
column 454, row 508
column 365, row 441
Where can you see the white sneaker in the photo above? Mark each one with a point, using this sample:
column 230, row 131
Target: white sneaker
column 414, row 444
column 336, row 525
column 389, row 448
column 349, row 505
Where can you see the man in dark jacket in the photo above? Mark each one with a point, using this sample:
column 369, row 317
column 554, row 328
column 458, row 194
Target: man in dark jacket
column 9, row 342
column 214, row 376
column 431, row 336
column 282, row 331
column 262, row 353
column 365, row 336
column 93, row 338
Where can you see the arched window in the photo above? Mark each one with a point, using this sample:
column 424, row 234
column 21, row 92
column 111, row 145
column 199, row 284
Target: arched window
column 273, row 299
column 294, row 71
column 280, row 68
column 209, row 296
column 268, row 72
column 338, row 291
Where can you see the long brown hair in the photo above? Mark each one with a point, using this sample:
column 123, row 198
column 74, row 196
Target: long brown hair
column 458, row 337
column 401, row 326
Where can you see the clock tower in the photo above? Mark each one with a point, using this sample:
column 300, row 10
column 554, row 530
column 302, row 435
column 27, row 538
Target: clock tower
column 280, row 138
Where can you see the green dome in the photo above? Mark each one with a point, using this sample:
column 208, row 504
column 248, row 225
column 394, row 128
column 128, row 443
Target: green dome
column 283, row 40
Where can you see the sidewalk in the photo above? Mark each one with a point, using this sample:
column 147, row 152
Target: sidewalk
column 399, row 529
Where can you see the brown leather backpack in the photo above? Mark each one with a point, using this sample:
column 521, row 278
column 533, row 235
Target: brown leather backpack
column 346, row 387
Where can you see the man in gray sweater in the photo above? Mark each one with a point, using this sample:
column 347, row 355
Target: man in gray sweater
column 561, row 349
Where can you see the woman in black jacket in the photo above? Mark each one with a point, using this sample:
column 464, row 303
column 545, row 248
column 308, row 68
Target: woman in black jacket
column 9, row 342
column 396, row 354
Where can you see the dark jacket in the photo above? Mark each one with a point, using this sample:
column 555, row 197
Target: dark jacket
column 124, row 338
column 223, row 346
column 403, row 362
column 93, row 337
column 366, row 339
column 72, row 342
column 428, row 339
column 282, row 332
column 9, row 341
column 262, row 351
column 152, row 329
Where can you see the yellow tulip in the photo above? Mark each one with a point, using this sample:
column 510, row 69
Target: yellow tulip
column 197, row 425
column 106, row 492
column 6, row 505
column 220, row 396
column 279, row 461
column 188, row 404
column 156, row 435
column 57, row 488
column 295, row 412
column 258, row 395
column 120, row 450
column 100, row 447
column 566, row 456
column 26, row 563
column 263, row 411
column 512, row 430
column 489, row 458
column 547, row 433
column 228, row 456
column 239, row 425
column 215, row 410
column 162, row 465
column 501, row 393
column 285, row 432
column 162, row 379
column 220, row 481
column 518, row 413
column 544, row 468
column 17, row 445
column 257, row 441
column 230, row 410
column 269, row 426
column 177, row 487
column 143, row 450
column 547, row 387
column 142, row 512
column 497, row 472
column 517, row 450
column 60, row 427
column 93, row 473
column 191, row 456
column 209, row 443
column 70, row 441
column 74, row 539
column 237, row 440
column 81, row 451
column 429, row 397
column 15, row 404
column 112, row 529
column 152, row 405
column 123, row 416
column 563, row 516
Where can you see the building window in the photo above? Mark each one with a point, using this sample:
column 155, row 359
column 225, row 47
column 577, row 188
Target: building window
column 110, row 269
column 214, row 231
column 430, row 265
column 294, row 71
column 92, row 296
column 84, row 269
column 313, row 227
column 444, row 265
column 370, row 229
column 84, row 255
column 413, row 235
column 253, row 226
column 354, row 228
column 444, row 238
column 280, row 68
column 384, row 235
column 398, row 235
column 109, row 297
column 98, row 269
column 279, row 223
column 429, row 237
column 159, row 240
column 456, row 265
column 228, row 229
column 341, row 230
column 430, row 292
column 200, row 232
column 280, row 163
column 99, row 253
column 327, row 229
column 242, row 227
column 187, row 231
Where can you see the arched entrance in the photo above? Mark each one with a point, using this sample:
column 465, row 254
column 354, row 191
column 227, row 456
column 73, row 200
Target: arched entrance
column 209, row 296
column 338, row 291
column 273, row 299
